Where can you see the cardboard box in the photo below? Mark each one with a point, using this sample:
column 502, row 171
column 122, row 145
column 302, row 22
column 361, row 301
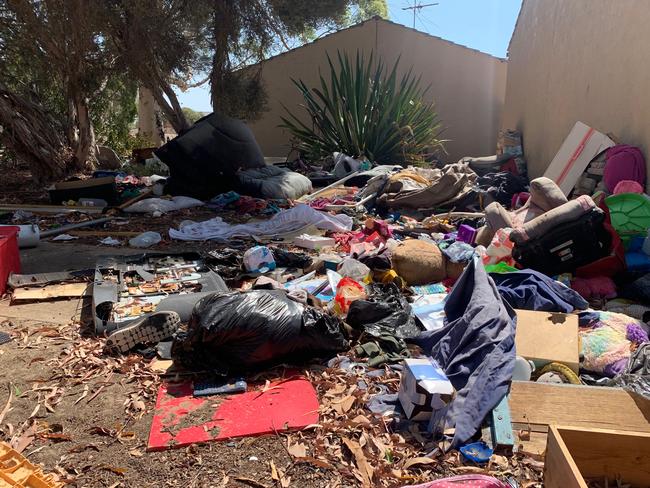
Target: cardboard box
column 574, row 455
column 423, row 389
column 309, row 241
column 581, row 146
column 546, row 337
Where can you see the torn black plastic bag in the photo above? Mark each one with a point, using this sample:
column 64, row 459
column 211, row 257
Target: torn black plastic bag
column 241, row 330
column 476, row 349
column 384, row 311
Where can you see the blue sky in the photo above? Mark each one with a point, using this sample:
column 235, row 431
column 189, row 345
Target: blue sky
column 485, row 25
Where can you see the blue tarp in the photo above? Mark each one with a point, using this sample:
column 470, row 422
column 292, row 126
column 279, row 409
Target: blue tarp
column 476, row 349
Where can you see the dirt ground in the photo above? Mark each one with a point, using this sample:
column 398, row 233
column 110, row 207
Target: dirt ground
column 95, row 442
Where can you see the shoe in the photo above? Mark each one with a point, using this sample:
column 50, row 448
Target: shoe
column 150, row 329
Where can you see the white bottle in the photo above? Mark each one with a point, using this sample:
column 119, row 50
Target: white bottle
column 523, row 369
column 646, row 244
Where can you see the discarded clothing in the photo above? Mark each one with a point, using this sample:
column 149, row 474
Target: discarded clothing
column 607, row 340
column 382, row 349
column 476, row 348
column 226, row 261
column 530, row 290
column 241, row 330
column 458, row 252
column 443, row 187
column 289, row 220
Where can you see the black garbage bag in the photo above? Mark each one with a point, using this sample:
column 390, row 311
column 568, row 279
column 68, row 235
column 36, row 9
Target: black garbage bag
column 636, row 377
column 241, row 330
column 384, row 311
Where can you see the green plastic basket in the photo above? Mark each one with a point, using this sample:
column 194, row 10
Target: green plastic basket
column 630, row 215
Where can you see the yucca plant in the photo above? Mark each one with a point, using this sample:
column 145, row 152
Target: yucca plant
column 366, row 110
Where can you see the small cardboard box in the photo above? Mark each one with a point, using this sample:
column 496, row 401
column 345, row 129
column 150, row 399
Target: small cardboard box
column 424, row 387
column 581, row 146
column 545, row 337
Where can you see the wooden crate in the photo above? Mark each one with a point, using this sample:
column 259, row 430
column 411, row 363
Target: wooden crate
column 574, row 454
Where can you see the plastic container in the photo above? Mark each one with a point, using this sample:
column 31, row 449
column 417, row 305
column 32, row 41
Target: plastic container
column 28, row 235
column 17, row 471
column 523, row 369
column 630, row 215
column 646, row 244
column 9, row 254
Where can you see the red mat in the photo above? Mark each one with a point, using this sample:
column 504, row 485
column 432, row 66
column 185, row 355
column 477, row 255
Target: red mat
column 181, row 419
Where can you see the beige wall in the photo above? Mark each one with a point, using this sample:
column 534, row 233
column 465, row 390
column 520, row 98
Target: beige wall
column 468, row 86
column 585, row 60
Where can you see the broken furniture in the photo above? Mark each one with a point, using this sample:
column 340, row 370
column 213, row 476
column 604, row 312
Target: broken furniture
column 103, row 188
column 128, row 287
column 575, row 455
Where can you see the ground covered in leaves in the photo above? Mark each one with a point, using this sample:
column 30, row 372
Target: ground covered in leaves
column 85, row 417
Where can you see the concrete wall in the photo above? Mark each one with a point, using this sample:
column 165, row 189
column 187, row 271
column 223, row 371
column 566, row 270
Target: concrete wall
column 575, row 60
column 468, row 86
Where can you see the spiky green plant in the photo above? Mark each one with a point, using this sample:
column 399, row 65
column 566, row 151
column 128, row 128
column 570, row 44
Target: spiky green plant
column 366, row 110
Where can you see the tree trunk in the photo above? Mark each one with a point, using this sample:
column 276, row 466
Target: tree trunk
column 80, row 130
column 223, row 23
column 172, row 108
column 34, row 136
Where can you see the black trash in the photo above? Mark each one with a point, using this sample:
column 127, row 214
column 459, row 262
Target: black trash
column 289, row 259
column 241, row 330
column 384, row 311
column 203, row 161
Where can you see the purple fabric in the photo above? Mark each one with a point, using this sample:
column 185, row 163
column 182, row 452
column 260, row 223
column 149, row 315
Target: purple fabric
column 623, row 162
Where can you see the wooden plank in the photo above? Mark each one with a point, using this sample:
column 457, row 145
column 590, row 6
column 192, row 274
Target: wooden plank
column 67, row 290
column 560, row 471
column 103, row 233
column 596, row 454
column 49, row 209
column 579, row 406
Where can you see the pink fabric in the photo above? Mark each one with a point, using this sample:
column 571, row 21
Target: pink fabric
column 623, row 163
column 464, row 481
column 627, row 186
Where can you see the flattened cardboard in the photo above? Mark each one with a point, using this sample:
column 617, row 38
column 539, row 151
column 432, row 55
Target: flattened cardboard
column 546, row 337
column 581, row 146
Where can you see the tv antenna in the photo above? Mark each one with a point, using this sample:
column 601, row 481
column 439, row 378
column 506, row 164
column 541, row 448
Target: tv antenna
column 416, row 7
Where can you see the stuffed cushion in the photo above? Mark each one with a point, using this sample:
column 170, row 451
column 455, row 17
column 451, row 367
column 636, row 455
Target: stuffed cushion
column 419, row 262
column 273, row 182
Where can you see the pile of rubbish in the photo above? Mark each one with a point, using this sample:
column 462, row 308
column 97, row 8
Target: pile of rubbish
column 496, row 301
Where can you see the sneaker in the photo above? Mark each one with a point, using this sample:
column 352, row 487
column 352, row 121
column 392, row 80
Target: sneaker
column 150, row 329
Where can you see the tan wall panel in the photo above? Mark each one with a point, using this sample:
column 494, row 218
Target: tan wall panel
column 572, row 60
column 468, row 86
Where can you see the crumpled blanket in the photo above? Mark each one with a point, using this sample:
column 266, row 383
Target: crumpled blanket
column 285, row 221
column 476, row 349
column 530, row 290
column 445, row 187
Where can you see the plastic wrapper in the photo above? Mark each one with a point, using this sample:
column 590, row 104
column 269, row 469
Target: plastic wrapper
column 384, row 311
column 241, row 330
column 259, row 259
column 347, row 291
column 146, row 239
column 636, row 377
column 354, row 269
column 500, row 249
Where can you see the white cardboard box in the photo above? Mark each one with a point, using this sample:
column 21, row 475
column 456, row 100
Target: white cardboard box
column 581, row 146
column 423, row 386
column 309, row 241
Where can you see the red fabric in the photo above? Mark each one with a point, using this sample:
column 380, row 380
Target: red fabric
column 9, row 255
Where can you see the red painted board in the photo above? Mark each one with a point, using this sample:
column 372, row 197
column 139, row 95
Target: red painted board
column 180, row 419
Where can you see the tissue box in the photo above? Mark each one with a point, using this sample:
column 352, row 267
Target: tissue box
column 424, row 389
